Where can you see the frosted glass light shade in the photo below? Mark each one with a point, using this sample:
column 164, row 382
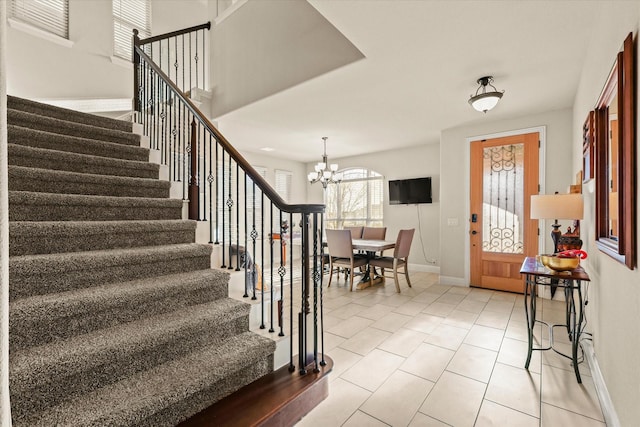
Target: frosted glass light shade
column 485, row 101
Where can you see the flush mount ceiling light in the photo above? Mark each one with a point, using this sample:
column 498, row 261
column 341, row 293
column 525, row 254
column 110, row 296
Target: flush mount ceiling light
column 485, row 101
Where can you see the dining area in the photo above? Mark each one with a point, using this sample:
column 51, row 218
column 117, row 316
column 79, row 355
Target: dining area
column 359, row 251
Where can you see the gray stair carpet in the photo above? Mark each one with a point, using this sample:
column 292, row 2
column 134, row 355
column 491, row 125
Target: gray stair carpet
column 116, row 318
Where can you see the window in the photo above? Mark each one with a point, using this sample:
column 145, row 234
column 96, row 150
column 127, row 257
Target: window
column 283, row 184
column 127, row 16
column 357, row 200
column 49, row 15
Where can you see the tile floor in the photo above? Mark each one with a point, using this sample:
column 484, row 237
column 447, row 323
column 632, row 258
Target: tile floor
column 439, row 355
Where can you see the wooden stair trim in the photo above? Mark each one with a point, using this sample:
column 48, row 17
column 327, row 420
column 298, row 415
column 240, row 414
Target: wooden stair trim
column 280, row 398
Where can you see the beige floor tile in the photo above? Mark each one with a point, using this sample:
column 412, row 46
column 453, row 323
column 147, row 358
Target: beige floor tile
column 460, row 319
column 396, row 300
column 342, row 360
column 478, row 294
column 454, row 400
column 422, row 420
column 376, row 312
column 560, row 388
column 517, row 330
column 410, row 308
column 333, row 303
column 349, row 327
column 424, row 323
column 462, row 290
column 373, row 370
column 426, row 297
column 439, row 289
column 332, row 341
column 348, row 310
column 391, row 322
column 553, row 416
column 403, row 342
column 360, row 419
column 485, row 337
column 344, row 399
column 503, row 296
column 446, row 336
column 473, row 362
column 514, row 353
column 492, row 415
column 398, row 399
column 500, row 306
column 451, row 298
column 428, row 361
column 515, row 388
column 370, row 299
column 471, row 305
column 365, row 341
column 493, row 319
column 439, row 309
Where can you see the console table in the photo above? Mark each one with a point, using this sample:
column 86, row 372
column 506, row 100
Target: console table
column 571, row 281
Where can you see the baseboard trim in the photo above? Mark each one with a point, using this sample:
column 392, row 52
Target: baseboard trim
column 606, row 404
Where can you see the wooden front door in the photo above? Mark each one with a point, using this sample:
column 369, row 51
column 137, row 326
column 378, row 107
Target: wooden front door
column 504, row 175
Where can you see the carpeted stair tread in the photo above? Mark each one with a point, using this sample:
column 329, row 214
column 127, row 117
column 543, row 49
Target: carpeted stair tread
column 45, row 375
column 168, row 393
column 23, row 155
column 33, row 206
column 34, row 107
column 63, row 127
column 82, row 145
column 42, row 319
column 23, row 178
column 50, row 273
column 46, row 237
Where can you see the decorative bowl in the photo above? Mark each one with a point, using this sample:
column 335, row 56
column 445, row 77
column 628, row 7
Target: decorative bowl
column 557, row 263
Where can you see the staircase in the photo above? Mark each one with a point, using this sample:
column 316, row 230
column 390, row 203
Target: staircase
column 116, row 318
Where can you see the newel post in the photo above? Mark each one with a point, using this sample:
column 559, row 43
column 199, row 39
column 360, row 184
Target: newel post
column 194, row 189
column 136, row 73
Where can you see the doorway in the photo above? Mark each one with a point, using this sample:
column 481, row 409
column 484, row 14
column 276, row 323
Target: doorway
column 504, row 175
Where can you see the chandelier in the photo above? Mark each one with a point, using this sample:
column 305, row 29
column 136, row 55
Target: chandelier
column 485, row 101
column 325, row 173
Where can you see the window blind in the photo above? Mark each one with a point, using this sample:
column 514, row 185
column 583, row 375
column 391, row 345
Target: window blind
column 49, row 15
column 127, row 16
column 283, row 184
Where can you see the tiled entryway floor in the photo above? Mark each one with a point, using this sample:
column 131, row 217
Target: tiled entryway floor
column 438, row 355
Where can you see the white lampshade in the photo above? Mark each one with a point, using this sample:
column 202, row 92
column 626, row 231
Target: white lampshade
column 334, row 167
column 557, row 206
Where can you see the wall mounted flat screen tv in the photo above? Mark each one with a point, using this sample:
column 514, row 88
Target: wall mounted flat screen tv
column 410, row 191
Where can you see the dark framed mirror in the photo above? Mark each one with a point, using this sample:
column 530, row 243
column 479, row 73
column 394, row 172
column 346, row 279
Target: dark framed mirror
column 615, row 126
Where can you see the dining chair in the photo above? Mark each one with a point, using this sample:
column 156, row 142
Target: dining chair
column 341, row 253
column 399, row 258
column 356, row 231
column 374, row 233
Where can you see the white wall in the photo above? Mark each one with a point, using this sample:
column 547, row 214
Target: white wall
column 454, row 187
column 614, row 308
column 38, row 68
column 412, row 162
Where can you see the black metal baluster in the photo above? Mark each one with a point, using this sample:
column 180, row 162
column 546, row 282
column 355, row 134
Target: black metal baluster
column 262, row 326
column 322, row 361
column 204, row 59
column 246, row 246
column 210, row 180
column 230, row 206
column 254, row 233
column 282, row 270
column 202, row 213
column 238, row 216
column 190, row 85
column 217, row 242
column 291, row 365
column 183, row 87
column 178, row 176
column 175, row 64
column 223, row 210
column 315, row 293
column 302, row 316
column 271, row 270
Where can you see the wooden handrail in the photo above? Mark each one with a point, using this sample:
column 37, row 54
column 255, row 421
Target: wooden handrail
column 142, row 42
column 240, row 160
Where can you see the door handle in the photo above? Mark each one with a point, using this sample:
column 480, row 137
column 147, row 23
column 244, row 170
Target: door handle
column 474, row 232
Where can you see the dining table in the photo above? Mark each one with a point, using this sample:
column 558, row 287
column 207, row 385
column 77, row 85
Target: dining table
column 370, row 248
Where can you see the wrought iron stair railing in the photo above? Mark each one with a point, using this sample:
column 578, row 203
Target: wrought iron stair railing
column 251, row 224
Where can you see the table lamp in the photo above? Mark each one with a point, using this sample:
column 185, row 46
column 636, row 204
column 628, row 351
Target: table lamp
column 557, row 206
